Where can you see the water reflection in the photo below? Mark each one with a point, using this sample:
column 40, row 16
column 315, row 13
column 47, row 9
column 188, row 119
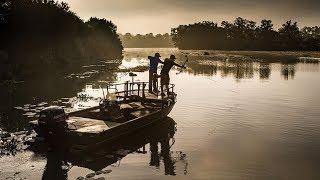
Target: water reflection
column 288, row 71
column 50, row 89
column 169, row 167
column 264, row 70
column 154, row 154
column 55, row 168
column 241, row 70
column 238, row 70
column 258, row 116
column 159, row 137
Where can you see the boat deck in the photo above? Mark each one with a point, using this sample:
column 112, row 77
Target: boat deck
column 95, row 122
column 87, row 125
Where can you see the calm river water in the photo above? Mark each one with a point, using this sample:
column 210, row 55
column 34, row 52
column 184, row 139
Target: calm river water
column 236, row 117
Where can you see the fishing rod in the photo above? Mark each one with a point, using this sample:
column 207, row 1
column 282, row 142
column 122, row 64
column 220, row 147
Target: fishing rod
column 183, row 65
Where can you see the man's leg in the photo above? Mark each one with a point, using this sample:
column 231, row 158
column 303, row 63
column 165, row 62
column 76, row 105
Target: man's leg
column 162, row 90
column 167, row 89
column 167, row 85
column 162, row 84
column 150, row 81
column 155, row 82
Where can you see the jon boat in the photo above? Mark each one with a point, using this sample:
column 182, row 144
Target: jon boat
column 141, row 141
column 119, row 113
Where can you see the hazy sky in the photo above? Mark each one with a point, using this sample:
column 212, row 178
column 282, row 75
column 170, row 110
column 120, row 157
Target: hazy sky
column 159, row 16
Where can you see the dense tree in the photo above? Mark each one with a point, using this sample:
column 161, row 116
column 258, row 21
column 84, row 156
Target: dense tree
column 290, row 37
column 41, row 33
column 311, row 37
column 146, row 41
column 4, row 11
column 266, row 37
column 100, row 32
column 244, row 34
column 186, row 37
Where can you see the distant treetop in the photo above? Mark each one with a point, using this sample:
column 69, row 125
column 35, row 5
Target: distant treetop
column 146, row 41
column 244, row 34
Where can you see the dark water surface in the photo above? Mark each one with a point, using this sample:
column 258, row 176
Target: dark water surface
column 237, row 117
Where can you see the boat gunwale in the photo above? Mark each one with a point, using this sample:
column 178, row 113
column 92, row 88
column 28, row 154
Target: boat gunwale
column 124, row 123
column 93, row 145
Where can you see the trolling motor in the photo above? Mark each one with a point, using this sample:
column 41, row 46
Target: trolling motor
column 132, row 75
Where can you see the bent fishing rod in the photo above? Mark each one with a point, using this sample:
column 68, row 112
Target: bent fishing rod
column 183, row 65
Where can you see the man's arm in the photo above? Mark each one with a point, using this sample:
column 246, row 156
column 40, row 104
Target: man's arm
column 179, row 65
column 159, row 61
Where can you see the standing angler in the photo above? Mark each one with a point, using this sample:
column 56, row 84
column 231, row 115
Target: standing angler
column 165, row 79
column 154, row 61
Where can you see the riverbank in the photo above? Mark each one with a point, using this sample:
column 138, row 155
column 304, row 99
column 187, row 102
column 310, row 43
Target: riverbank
column 257, row 56
column 46, row 37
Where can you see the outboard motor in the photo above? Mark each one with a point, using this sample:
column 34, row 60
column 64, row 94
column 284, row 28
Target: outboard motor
column 53, row 120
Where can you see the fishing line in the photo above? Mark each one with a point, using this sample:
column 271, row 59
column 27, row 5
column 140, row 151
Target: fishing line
column 184, row 64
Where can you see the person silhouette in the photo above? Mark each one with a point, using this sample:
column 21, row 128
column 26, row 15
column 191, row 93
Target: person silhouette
column 164, row 75
column 153, row 67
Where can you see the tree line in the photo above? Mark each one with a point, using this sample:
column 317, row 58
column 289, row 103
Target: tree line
column 146, row 41
column 46, row 34
column 244, row 34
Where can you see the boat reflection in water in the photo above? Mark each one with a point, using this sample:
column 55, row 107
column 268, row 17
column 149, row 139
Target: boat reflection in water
column 159, row 136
